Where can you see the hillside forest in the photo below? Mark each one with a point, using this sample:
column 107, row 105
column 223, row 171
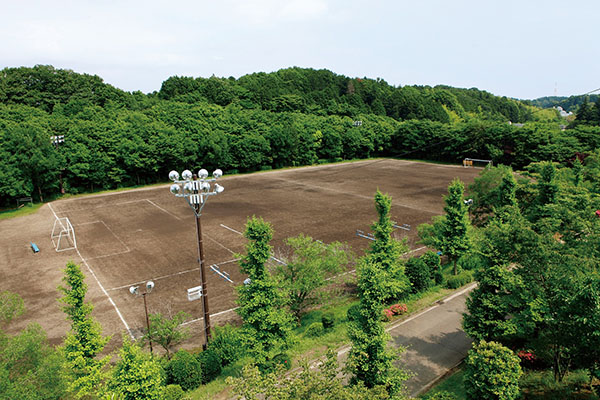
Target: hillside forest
column 290, row 117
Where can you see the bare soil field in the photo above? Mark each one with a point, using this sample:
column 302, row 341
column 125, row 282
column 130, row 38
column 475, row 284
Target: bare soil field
column 128, row 238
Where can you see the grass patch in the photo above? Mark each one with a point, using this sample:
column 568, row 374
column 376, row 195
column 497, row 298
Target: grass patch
column 452, row 383
column 20, row 212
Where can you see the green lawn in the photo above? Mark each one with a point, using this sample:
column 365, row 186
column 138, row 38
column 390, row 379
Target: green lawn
column 452, row 383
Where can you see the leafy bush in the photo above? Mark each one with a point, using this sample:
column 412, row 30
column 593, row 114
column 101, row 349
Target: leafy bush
column 227, row 343
column 328, row 320
column 172, row 392
column 472, row 261
column 456, row 281
column 442, row 395
column 184, row 370
column 433, row 261
column 418, row 273
column 354, row 312
column 272, row 365
column 438, row 277
column 492, row 372
column 315, row 329
column 210, row 364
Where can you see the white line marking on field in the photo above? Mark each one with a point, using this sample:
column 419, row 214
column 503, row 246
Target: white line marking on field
column 168, row 276
column 100, row 285
column 111, row 231
column 110, row 255
column 212, row 315
column 232, row 230
column 162, row 209
column 226, row 248
column 412, row 251
column 87, row 223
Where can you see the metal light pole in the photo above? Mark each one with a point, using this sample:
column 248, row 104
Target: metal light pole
column 196, row 189
column 135, row 291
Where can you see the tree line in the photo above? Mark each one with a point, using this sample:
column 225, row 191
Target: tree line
column 117, row 139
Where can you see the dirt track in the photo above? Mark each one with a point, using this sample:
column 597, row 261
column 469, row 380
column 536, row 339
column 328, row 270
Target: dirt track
column 131, row 237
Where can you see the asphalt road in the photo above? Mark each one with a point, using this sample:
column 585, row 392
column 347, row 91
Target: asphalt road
column 434, row 340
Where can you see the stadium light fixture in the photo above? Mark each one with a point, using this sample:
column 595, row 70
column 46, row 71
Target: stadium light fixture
column 196, row 189
column 135, row 290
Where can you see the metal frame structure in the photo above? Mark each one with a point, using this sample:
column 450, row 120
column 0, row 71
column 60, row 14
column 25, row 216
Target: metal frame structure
column 196, row 189
column 66, row 229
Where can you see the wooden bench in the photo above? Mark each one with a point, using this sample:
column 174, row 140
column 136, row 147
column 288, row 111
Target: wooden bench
column 35, row 248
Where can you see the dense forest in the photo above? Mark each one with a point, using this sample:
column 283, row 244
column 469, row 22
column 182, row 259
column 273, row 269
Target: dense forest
column 290, row 117
column 570, row 103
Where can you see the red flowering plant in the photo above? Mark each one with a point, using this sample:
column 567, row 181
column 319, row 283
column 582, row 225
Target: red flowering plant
column 396, row 309
column 527, row 358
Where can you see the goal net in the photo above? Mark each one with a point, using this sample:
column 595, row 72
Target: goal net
column 63, row 235
column 476, row 162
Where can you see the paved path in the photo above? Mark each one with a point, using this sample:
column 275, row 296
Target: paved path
column 435, row 340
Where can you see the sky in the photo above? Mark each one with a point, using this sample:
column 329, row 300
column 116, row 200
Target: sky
column 516, row 48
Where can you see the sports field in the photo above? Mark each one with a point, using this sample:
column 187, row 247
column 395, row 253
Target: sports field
column 128, row 238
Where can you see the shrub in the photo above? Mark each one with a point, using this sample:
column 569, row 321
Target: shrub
column 456, row 281
column 227, row 343
column 172, row 392
column 315, row 329
column 433, row 261
column 328, row 320
column 438, row 277
column 418, row 274
column 272, row 365
column 354, row 312
column 210, row 364
column 472, row 261
column 184, row 370
column 441, row 395
column 492, row 372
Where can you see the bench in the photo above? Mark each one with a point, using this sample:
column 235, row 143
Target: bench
column 34, row 247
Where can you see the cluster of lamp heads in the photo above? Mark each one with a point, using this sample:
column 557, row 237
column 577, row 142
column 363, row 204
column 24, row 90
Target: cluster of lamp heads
column 135, row 290
column 188, row 186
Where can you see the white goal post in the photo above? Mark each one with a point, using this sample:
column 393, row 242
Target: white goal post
column 63, row 235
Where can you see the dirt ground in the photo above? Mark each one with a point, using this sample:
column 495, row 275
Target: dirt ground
column 128, row 238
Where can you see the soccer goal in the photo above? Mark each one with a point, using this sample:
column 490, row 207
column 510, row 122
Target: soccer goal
column 63, row 235
column 476, row 162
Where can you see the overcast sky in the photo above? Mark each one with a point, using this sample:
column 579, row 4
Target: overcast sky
column 517, row 48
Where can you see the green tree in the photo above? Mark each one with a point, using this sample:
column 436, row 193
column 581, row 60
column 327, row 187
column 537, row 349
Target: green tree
column 29, row 367
column 308, row 269
column 492, row 372
column 370, row 361
column 450, row 233
column 168, row 332
column 84, row 342
column 137, row 375
column 386, row 252
column 418, row 273
column 267, row 322
column 491, row 303
column 322, row 383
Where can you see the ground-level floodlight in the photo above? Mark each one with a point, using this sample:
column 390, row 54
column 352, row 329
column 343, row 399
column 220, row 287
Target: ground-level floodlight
column 196, row 189
column 135, row 290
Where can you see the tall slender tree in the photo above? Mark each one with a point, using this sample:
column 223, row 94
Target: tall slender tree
column 267, row 322
column 450, row 233
column 370, row 361
column 386, row 251
column 84, row 342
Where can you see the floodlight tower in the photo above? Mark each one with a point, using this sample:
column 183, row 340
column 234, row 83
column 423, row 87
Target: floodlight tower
column 196, row 189
column 135, row 290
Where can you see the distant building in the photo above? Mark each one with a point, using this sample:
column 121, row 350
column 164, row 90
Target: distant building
column 562, row 112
